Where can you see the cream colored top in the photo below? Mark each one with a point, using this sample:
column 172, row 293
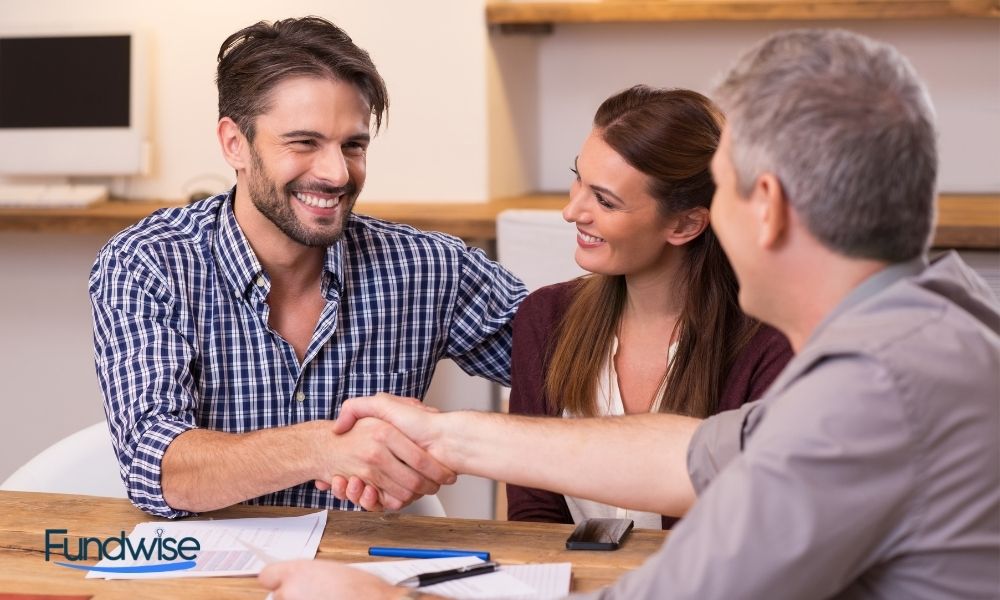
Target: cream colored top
column 609, row 403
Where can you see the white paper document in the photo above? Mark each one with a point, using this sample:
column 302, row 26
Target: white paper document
column 549, row 580
column 527, row 582
column 228, row 547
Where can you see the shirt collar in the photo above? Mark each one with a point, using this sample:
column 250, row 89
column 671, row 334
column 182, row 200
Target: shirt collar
column 239, row 263
column 235, row 257
column 874, row 284
column 333, row 277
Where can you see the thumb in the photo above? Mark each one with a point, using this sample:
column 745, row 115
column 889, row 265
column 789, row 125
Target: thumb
column 350, row 411
column 378, row 406
column 270, row 577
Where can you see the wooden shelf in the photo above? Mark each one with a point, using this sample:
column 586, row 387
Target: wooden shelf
column 968, row 221
column 964, row 220
column 468, row 220
column 515, row 12
column 105, row 217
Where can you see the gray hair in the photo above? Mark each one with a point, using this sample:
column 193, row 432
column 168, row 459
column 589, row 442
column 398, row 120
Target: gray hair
column 847, row 127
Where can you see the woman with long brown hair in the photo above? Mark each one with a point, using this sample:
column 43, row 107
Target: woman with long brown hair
column 657, row 325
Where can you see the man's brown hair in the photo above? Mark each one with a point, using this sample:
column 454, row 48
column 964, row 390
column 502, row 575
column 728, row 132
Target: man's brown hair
column 256, row 58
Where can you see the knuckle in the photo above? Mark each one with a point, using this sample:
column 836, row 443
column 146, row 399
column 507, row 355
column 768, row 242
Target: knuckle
column 371, row 454
column 380, row 433
column 422, row 462
column 411, row 483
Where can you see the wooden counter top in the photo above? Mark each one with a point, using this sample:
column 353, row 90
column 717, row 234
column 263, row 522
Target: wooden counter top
column 964, row 220
column 468, row 220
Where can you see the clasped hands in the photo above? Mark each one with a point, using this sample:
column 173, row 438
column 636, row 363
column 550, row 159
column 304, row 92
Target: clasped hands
column 401, row 427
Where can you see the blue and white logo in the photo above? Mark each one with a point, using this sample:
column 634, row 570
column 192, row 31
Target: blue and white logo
column 160, row 554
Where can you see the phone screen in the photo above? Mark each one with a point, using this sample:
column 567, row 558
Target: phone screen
column 599, row 534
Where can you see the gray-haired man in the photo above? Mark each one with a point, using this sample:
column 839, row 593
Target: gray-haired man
column 871, row 468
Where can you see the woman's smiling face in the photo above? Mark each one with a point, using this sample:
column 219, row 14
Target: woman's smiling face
column 620, row 230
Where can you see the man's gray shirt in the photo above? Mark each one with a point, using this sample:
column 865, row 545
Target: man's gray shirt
column 870, row 469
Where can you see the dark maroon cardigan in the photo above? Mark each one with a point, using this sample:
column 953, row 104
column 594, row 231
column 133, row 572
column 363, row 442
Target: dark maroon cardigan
column 534, row 329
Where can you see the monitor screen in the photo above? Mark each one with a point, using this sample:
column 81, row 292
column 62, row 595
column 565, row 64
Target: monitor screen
column 72, row 104
column 64, row 81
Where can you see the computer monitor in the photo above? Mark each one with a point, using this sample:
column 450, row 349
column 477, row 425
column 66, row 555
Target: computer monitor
column 72, row 104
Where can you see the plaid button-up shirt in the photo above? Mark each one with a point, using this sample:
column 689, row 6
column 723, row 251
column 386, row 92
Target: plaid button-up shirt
column 182, row 340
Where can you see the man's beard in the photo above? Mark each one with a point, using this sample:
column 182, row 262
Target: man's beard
column 277, row 208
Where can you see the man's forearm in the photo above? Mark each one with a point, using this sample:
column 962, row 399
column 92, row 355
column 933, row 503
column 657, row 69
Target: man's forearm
column 638, row 462
column 206, row 470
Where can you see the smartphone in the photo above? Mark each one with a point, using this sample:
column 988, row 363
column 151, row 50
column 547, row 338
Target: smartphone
column 599, row 534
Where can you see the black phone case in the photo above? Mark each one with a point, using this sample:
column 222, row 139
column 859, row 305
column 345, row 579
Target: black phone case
column 599, row 534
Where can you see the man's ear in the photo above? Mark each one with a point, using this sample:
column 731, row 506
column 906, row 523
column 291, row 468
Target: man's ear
column 687, row 226
column 233, row 143
column 770, row 206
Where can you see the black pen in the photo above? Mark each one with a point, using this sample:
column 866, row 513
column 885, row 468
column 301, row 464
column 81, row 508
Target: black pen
column 459, row 573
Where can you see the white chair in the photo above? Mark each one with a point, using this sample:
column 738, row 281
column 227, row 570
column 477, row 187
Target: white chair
column 82, row 463
column 538, row 246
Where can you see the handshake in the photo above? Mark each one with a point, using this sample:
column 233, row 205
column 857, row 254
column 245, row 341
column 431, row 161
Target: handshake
column 400, row 450
column 384, row 452
column 413, row 460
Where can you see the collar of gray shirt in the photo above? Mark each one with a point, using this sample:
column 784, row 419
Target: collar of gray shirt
column 871, row 286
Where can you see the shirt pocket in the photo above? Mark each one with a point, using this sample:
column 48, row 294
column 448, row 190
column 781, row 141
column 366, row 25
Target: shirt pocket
column 411, row 384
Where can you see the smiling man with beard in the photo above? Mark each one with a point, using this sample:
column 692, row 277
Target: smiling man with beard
column 228, row 333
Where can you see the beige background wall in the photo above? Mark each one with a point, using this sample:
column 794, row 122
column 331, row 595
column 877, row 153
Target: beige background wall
column 430, row 53
column 473, row 115
column 580, row 65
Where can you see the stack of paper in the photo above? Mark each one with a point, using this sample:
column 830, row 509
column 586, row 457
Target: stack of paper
column 520, row 582
column 228, row 546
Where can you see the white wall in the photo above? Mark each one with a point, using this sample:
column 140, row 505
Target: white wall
column 48, row 388
column 430, row 53
column 580, row 65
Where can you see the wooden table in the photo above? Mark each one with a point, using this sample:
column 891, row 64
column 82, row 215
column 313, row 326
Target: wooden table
column 24, row 517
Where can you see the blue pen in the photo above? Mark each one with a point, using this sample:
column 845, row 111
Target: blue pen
column 425, row 552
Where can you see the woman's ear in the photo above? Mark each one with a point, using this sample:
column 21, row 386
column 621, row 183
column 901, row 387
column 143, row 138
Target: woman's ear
column 233, row 143
column 688, row 225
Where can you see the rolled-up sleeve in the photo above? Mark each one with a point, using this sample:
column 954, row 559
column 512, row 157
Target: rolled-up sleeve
column 480, row 330
column 716, row 442
column 142, row 361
